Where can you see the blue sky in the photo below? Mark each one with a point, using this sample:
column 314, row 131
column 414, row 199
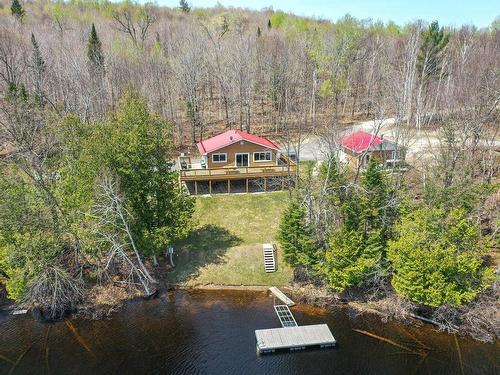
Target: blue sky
column 448, row 12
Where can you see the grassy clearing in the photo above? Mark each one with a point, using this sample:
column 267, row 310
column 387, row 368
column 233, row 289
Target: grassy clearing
column 225, row 248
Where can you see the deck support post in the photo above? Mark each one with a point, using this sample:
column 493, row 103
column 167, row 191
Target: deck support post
column 282, row 183
column 228, row 186
column 195, row 187
column 209, row 186
column 247, row 185
column 265, row 183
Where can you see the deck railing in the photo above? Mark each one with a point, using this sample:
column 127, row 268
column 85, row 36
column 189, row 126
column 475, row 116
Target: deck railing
column 243, row 171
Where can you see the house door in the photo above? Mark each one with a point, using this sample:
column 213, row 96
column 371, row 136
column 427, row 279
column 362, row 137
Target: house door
column 242, row 160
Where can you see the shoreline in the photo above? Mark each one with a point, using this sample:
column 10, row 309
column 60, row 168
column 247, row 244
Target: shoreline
column 304, row 294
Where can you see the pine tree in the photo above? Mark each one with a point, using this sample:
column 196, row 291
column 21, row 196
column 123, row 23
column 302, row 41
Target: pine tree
column 259, row 32
column 269, row 25
column 38, row 67
column 295, row 236
column 94, row 54
column 429, row 59
column 184, row 6
column 17, row 9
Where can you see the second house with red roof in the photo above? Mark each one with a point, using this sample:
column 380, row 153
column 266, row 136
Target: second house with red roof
column 360, row 147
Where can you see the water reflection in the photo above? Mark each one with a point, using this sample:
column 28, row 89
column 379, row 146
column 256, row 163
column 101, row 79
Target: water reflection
column 212, row 332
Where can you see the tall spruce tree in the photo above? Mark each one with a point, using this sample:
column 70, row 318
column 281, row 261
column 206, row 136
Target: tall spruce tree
column 38, row 68
column 184, row 6
column 429, row 59
column 94, row 54
column 295, row 236
column 17, row 9
column 357, row 248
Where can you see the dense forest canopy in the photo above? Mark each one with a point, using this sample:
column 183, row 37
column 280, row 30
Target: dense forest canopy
column 262, row 71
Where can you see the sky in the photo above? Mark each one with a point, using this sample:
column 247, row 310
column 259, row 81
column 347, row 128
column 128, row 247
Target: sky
column 448, row 12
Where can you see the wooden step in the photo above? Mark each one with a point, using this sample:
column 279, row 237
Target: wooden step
column 269, row 252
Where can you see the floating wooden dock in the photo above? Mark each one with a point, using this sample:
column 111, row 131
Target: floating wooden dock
column 294, row 338
column 281, row 296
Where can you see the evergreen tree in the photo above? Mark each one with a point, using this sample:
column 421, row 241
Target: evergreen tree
column 335, row 180
column 259, row 32
column 225, row 26
column 350, row 258
column 94, row 54
column 295, row 236
column 429, row 59
column 17, row 10
column 17, row 92
column 357, row 248
column 437, row 258
column 269, row 25
column 184, row 6
column 135, row 145
column 38, row 68
column 379, row 205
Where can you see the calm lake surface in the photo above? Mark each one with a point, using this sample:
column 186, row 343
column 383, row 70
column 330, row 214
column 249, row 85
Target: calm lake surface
column 212, row 332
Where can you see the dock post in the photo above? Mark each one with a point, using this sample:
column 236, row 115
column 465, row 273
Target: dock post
column 195, row 187
column 209, row 186
column 228, row 186
column 247, row 185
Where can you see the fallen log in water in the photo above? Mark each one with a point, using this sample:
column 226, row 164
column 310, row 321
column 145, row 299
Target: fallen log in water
column 432, row 321
column 11, row 371
column 422, row 345
column 7, row 359
column 389, row 341
column 459, row 355
column 78, row 338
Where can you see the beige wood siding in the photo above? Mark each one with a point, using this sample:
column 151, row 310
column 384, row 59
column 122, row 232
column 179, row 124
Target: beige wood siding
column 381, row 156
column 241, row 147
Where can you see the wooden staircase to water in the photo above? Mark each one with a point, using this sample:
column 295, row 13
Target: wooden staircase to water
column 269, row 251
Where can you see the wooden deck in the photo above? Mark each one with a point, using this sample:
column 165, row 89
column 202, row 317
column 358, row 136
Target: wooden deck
column 206, row 174
column 294, row 338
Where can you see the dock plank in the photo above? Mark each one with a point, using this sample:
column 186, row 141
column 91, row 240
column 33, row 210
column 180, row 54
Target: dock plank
column 281, row 296
column 269, row 340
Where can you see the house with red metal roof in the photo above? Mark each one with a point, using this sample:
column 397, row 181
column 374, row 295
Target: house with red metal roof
column 232, row 158
column 359, row 147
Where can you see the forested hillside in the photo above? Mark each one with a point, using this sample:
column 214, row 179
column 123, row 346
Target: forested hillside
column 266, row 72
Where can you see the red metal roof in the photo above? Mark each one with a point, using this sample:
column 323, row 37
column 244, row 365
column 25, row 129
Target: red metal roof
column 360, row 141
column 233, row 136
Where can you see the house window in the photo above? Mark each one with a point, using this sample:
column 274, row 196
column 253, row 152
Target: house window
column 262, row 156
column 219, row 158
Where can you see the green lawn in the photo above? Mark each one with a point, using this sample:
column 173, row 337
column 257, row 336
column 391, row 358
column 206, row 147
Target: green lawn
column 225, row 247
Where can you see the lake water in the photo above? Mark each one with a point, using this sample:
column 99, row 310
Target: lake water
column 212, row 332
